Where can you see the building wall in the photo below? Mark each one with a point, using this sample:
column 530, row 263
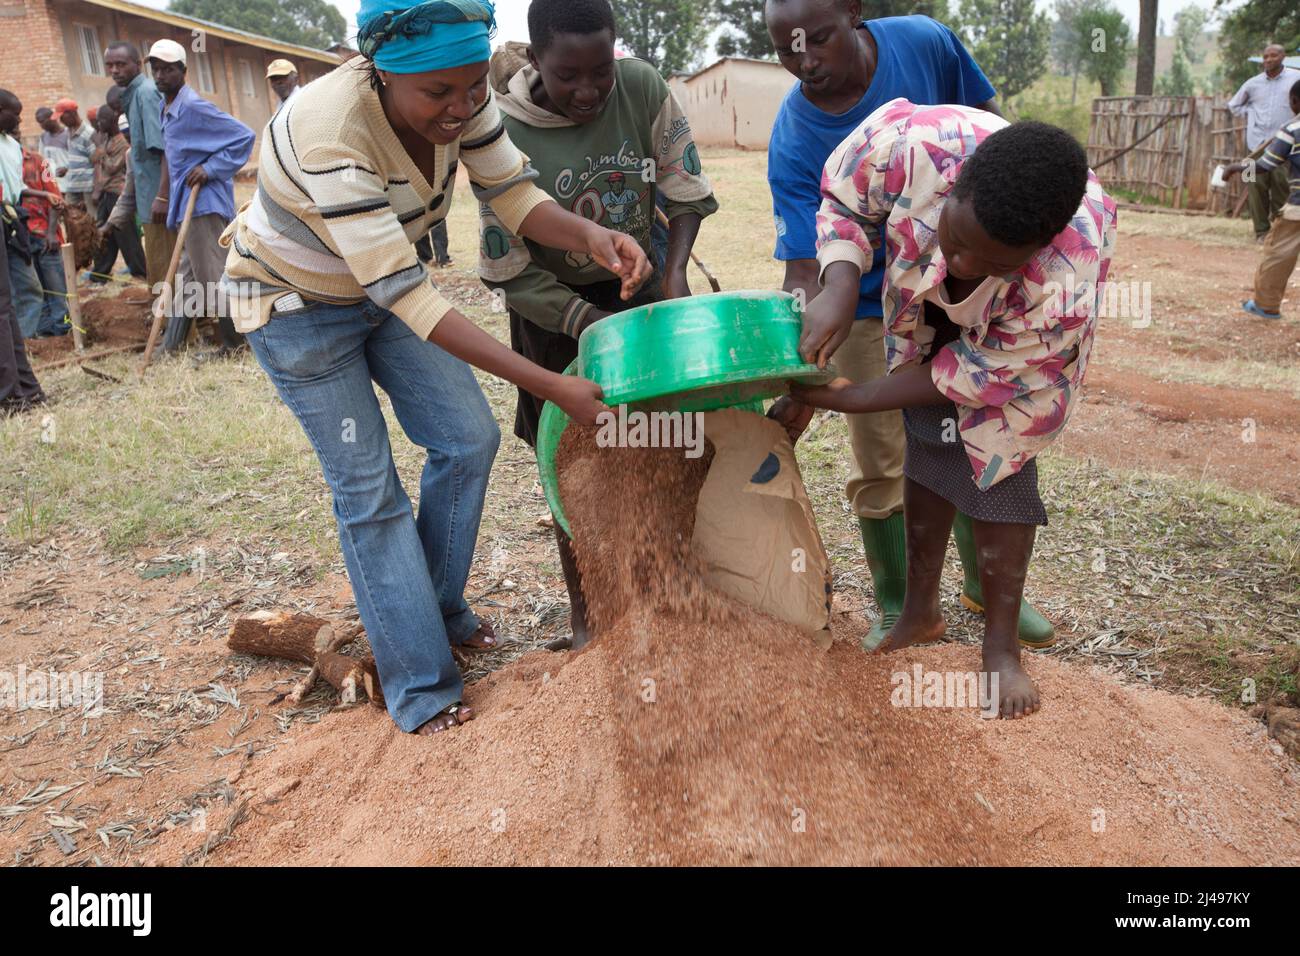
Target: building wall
column 33, row 64
column 42, row 59
column 734, row 103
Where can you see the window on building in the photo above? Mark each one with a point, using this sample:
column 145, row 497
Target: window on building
column 92, row 59
column 246, row 75
column 205, row 73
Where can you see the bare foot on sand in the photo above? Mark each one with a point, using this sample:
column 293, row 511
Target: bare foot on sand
column 914, row 628
column 1017, row 694
column 453, row 716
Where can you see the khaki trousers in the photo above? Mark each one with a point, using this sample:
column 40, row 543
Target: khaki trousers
column 875, row 488
column 159, row 241
column 1281, row 250
column 1266, row 196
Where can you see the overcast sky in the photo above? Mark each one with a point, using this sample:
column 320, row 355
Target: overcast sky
column 512, row 15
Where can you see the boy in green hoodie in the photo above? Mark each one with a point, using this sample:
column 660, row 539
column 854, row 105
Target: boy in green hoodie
column 605, row 136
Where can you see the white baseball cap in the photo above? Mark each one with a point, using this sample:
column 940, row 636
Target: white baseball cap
column 169, row 51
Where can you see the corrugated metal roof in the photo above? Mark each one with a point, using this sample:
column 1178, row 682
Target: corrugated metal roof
column 215, row 29
column 724, row 59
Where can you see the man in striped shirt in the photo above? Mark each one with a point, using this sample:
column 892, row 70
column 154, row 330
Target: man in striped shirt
column 1282, row 247
column 1263, row 101
column 80, row 172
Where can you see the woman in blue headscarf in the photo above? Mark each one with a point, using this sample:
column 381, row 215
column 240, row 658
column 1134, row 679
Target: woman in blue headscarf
column 324, row 280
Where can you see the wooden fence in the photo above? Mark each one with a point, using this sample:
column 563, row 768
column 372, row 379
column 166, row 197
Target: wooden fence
column 1166, row 147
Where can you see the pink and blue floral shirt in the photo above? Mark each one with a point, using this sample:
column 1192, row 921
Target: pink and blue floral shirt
column 1016, row 369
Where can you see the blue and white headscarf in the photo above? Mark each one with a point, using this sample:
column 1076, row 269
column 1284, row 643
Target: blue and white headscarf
column 436, row 35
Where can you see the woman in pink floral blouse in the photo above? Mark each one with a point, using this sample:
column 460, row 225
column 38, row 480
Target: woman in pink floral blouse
column 997, row 240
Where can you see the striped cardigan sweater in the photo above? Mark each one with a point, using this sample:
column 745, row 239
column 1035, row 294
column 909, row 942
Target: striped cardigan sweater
column 340, row 203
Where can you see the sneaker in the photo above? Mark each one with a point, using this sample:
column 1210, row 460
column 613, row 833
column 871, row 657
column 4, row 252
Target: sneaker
column 1250, row 306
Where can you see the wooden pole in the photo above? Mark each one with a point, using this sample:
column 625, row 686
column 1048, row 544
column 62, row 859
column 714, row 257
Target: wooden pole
column 163, row 302
column 74, row 297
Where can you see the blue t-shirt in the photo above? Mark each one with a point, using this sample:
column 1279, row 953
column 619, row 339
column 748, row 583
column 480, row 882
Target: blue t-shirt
column 919, row 59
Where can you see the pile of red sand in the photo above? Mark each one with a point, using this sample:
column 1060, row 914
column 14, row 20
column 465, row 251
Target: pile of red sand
column 693, row 730
column 122, row 318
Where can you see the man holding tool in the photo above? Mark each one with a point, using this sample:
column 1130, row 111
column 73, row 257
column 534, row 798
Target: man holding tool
column 205, row 148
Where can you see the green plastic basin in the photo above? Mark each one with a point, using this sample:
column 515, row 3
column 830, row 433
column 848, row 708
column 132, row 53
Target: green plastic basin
column 698, row 353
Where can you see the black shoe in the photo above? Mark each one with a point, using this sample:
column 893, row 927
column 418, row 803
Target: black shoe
column 12, row 407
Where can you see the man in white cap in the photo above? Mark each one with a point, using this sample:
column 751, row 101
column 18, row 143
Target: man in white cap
column 205, row 148
column 283, row 76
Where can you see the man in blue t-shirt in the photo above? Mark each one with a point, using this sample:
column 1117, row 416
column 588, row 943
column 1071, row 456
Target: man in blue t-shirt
column 847, row 69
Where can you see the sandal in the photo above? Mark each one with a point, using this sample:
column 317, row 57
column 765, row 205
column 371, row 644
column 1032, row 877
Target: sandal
column 458, row 712
column 488, row 642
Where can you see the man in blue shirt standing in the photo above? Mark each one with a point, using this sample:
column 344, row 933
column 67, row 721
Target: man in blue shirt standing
column 142, row 104
column 205, row 148
column 848, row 68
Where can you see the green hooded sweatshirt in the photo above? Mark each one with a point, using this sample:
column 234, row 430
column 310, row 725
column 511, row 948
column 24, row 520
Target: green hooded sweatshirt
column 607, row 170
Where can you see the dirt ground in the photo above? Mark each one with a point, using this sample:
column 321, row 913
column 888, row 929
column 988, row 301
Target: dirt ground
column 1132, row 416
column 198, row 758
column 111, row 317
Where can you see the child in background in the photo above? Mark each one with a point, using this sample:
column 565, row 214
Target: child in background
column 111, row 160
column 43, row 202
column 997, row 241
column 606, row 137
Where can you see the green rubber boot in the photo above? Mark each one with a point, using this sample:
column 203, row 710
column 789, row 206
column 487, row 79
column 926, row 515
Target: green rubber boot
column 1036, row 631
column 885, row 542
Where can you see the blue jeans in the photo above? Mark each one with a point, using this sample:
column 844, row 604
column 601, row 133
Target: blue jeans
column 25, row 287
column 54, row 310
column 408, row 572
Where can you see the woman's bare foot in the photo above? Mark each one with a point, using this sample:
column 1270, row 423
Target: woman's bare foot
column 453, row 716
column 914, row 628
column 1017, row 694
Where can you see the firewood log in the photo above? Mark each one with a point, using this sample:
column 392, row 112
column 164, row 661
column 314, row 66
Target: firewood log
column 308, row 640
column 351, row 674
column 280, row 634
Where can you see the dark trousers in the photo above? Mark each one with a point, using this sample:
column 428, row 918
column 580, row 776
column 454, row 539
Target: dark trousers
column 17, row 380
column 427, row 254
column 123, row 239
column 555, row 350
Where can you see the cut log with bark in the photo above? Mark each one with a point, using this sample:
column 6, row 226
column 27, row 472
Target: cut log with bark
column 309, row 640
column 280, row 634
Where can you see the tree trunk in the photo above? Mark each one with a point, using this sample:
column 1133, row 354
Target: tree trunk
column 1146, row 51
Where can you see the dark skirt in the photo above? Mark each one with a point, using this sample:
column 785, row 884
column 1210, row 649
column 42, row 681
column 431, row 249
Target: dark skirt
column 942, row 466
column 555, row 350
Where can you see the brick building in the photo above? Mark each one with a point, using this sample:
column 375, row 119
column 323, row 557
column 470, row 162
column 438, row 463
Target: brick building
column 55, row 48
